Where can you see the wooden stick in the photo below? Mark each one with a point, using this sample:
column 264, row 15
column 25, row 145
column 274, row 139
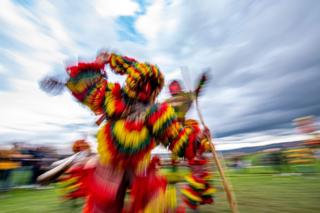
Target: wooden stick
column 101, row 119
column 226, row 185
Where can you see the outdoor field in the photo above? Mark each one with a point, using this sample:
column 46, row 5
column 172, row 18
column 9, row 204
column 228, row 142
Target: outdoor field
column 257, row 190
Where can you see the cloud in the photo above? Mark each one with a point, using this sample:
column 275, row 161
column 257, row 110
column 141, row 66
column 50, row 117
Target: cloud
column 264, row 56
column 40, row 42
column 116, row 8
column 228, row 143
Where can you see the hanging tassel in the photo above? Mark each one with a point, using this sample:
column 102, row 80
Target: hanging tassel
column 52, row 85
column 203, row 80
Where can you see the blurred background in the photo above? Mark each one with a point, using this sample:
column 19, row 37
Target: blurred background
column 262, row 104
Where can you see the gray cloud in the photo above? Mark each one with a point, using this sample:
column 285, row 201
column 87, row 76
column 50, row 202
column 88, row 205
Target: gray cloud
column 264, row 55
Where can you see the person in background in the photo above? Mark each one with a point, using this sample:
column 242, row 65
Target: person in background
column 7, row 164
column 72, row 181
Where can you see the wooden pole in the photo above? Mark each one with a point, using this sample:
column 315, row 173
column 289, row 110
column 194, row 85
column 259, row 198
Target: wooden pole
column 227, row 187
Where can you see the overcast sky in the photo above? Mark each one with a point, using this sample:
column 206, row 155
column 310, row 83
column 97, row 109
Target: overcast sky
column 264, row 58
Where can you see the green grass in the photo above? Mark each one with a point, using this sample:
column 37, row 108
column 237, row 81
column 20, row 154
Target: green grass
column 33, row 201
column 255, row 193
column 272, row 193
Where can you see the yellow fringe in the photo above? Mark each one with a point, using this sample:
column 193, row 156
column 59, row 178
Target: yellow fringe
column 193, row 183
column 109, row 103
column 70, row 188
column 191, row 196
column 143, row 164
column 210, row 191
column 182, row 140
column 171, row 197
column 129, row 138
column 164, row 118
column 156, row 205
column 103, row 147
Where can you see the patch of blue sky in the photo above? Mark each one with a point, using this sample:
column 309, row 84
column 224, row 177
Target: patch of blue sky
column 143, row 5
column 9, row 41
column 6, row 42
column 9, row 67
column 8, row 70
column 127, row 31
column 24, row 3
column 4, row 83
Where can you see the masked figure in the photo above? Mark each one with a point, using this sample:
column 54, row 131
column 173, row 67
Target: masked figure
column 134, row 126
column 198, row 190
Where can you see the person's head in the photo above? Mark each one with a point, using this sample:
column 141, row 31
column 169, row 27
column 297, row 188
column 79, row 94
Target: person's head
column 80, row 145
column 175, row 87
column 144, row 85
column 154, row 163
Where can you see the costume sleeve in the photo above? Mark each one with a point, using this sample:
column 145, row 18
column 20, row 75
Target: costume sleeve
column 168, row 131
column 121, row 64
column 88, row 85
column 140, row 77
column 136, row 70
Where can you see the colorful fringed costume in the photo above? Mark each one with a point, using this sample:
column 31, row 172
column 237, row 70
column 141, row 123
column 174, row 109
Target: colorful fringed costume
column 72, row 182
column 182, row 100
column 173, row 176
column 198, row 190
column 150, row 200
column 134, row 126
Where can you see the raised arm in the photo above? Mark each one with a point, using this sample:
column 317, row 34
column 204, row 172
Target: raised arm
column 120, row 64
column 88, row 84
column 144, row 81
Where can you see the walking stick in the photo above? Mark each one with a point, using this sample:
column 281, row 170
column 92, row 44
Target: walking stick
column 227, row 187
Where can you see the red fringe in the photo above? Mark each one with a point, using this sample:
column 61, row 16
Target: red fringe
column 156, row 115
column 146, row 188
column 134, row 125
column 74, row 70
column 119, row 103
column 125, row 160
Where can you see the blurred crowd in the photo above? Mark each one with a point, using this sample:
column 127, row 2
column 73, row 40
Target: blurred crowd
column 21, row 157
column 299, row 157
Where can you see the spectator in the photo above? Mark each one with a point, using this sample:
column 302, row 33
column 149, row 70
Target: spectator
column 7, row 165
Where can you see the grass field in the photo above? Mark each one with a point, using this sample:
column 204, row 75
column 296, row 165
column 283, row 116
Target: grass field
column 254, row 192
